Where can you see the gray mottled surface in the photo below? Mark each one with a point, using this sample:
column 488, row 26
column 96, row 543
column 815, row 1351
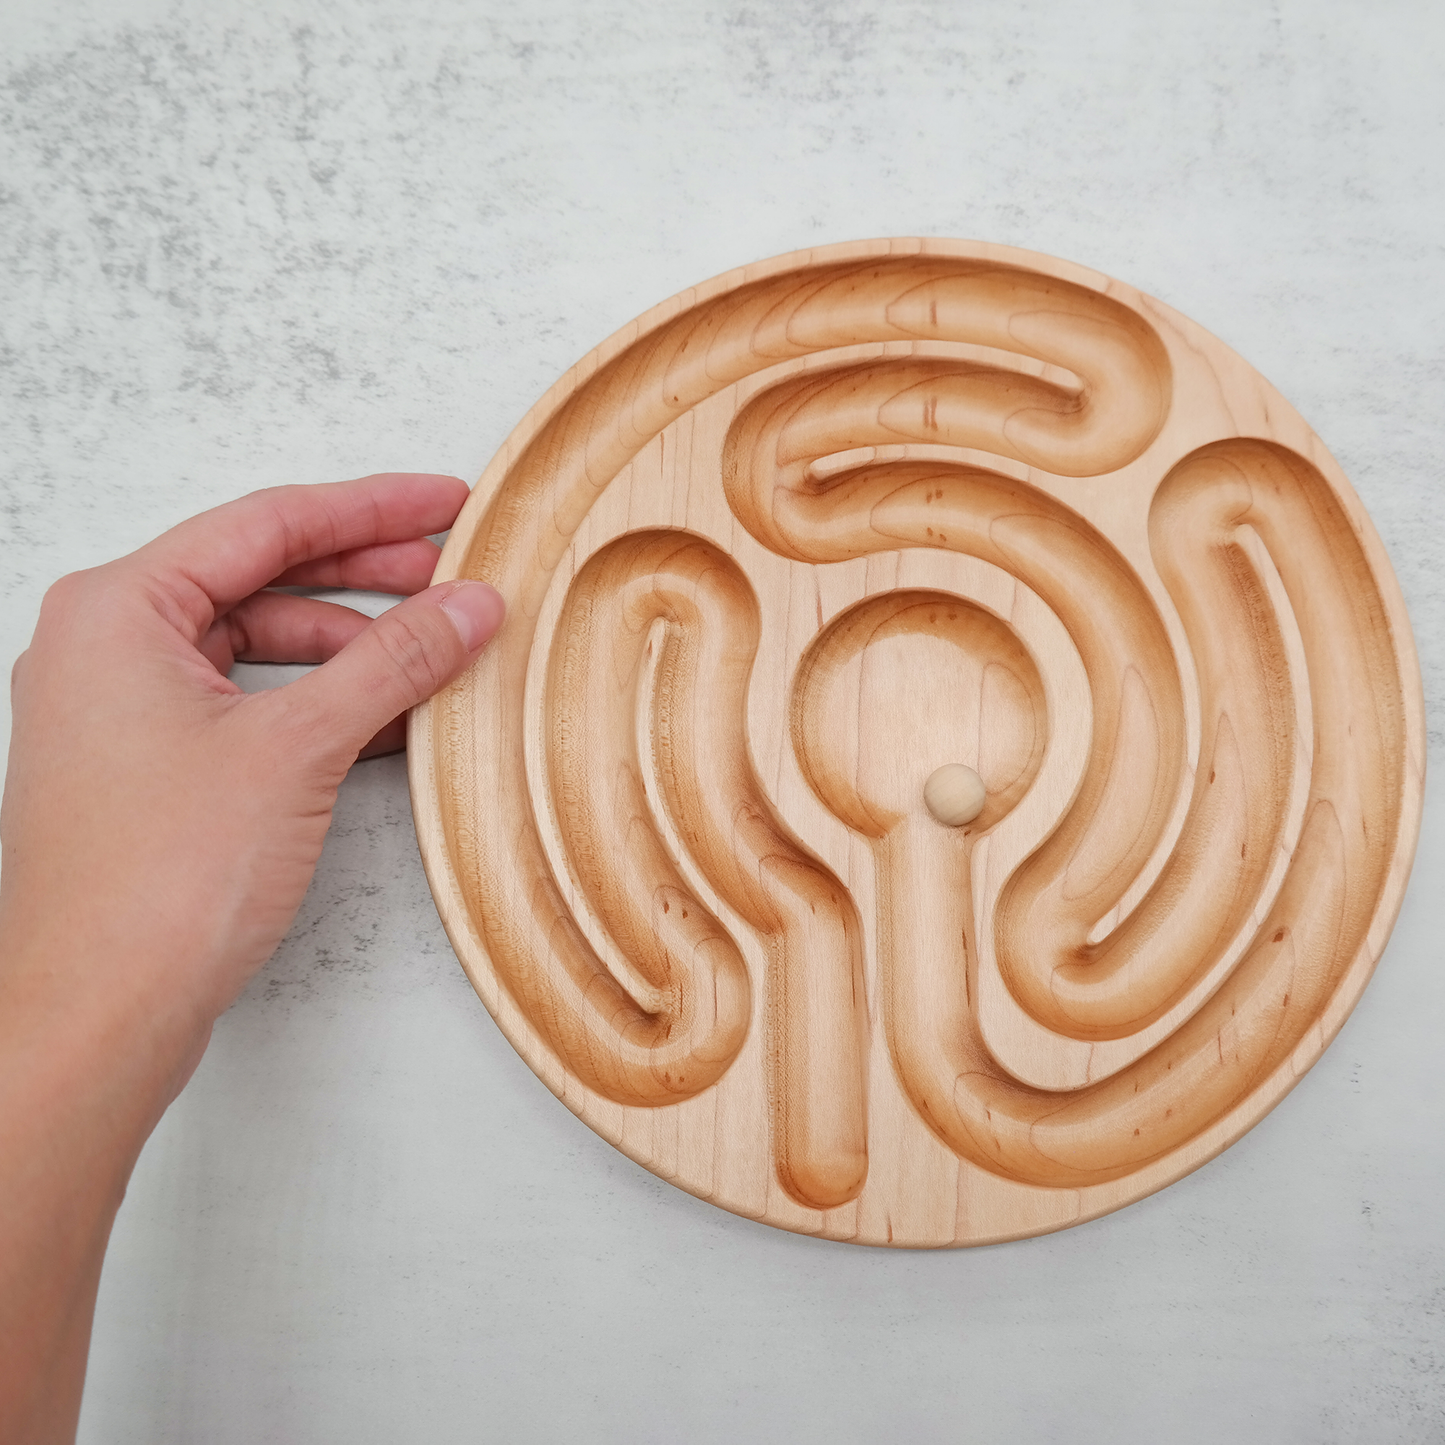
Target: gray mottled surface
column 247, row 243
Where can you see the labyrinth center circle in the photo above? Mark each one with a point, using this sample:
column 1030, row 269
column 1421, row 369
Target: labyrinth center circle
column 779, row 552
column 904, row 684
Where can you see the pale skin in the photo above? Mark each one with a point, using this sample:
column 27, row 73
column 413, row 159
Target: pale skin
column 159, row 830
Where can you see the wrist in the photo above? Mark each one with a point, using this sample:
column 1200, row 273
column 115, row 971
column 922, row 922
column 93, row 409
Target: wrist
column 95, row 1019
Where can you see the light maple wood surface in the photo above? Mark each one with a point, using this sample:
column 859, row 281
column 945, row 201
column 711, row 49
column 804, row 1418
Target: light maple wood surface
column 783, row 548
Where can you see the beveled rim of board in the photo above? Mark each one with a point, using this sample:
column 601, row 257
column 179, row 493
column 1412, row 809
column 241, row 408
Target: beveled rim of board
column 425, row 757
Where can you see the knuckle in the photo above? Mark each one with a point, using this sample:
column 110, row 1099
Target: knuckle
column 66, row 593
column 411, row 653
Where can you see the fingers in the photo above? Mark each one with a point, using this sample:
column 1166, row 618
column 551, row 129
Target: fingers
column 209, row 563
column 272, row 627
column 398, row 661
column 397, row 567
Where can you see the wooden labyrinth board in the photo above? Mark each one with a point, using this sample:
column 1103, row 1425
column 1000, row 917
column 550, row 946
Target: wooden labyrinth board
column 783, row 548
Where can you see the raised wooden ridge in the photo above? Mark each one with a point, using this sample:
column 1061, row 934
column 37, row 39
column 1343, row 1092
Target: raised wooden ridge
column 787, row 545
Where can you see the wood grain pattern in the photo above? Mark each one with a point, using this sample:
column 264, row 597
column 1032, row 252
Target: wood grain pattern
column 776, row 553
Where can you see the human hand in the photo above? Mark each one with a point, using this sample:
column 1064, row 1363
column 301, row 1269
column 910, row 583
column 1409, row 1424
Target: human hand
column 160, row 826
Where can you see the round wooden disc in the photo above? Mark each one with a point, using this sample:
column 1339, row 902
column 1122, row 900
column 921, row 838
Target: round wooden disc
column 784, row 547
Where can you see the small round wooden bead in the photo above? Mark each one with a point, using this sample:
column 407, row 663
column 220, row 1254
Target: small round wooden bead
column 955, row 794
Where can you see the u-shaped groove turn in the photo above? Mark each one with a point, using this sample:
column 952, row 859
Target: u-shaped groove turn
column 803, row 916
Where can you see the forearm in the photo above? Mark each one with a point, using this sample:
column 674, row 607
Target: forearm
column 85, row 1073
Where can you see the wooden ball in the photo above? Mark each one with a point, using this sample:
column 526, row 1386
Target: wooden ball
column 955, row 794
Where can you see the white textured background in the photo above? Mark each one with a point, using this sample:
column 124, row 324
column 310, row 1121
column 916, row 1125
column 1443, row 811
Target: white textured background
column 244, row 243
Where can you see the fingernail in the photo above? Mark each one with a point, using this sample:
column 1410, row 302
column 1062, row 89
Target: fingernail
column 476, row 610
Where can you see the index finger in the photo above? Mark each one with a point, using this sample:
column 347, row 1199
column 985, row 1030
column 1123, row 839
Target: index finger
column 215, row 559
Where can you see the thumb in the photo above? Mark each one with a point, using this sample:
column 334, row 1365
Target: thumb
column 420, row 645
